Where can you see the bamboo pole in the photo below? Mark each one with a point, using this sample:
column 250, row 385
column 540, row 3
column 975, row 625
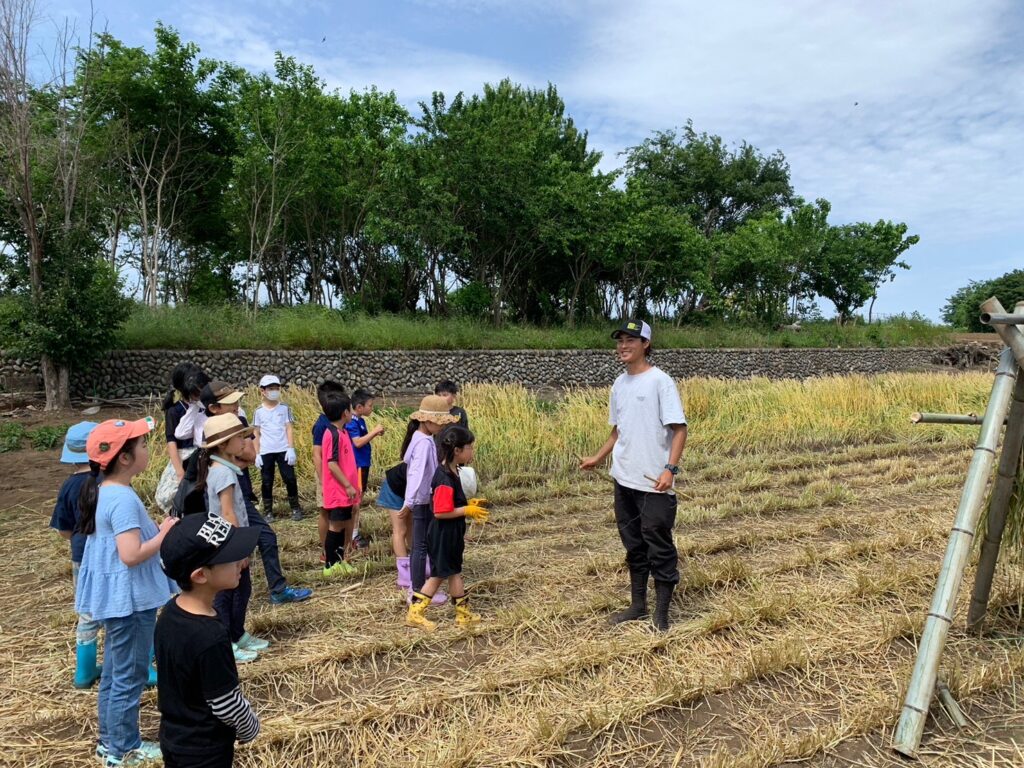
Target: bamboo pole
column 945, row 418
column 940, row 615
column 998, row 508
column 1011, row 335
column 989, row 318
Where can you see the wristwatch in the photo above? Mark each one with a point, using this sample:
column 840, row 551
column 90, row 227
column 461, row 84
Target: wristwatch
column 673, row 468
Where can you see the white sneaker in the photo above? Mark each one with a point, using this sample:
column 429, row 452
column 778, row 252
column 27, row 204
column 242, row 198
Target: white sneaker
column 243, row 656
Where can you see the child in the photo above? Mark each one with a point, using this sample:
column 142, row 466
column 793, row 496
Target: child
column 218, row 474
column 392, row 498
column 181, row 419
column 64, row 521
column 202, row 710
column 220, row 397
column 275, row 445
column 340, row 485
column 120, row 582
column 319, row 427
column 362, row 406
column 449, row 390
column 420, row 455
column 446, row 534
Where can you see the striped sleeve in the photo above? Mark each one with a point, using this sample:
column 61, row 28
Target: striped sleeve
column 234, row 710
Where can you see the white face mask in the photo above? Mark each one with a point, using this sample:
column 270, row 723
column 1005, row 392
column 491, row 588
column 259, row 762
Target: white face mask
column 272, row 394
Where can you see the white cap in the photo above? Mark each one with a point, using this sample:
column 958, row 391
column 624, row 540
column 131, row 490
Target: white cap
column 269, row 380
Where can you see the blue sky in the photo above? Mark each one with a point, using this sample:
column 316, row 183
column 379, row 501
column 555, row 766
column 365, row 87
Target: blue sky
column 909, row 110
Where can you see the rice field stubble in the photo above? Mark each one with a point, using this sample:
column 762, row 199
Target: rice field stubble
column 809, row 543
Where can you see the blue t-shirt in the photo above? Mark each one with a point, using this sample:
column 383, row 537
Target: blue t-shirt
column 319, row 427
column 65, row 513
column 356, row 427
column 107, row 588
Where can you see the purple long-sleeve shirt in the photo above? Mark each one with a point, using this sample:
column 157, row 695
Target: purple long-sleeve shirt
column 421, row 458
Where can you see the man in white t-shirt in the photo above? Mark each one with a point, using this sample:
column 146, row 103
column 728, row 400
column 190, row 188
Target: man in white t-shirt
column 646, row 444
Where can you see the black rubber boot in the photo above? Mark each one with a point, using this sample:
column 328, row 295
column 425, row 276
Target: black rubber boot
column 268, row 510
column 663, row 592
column 293, row 502
column 638, row 600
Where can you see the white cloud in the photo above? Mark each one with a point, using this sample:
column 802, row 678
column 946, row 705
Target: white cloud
column 347, row 58
column 896, row 110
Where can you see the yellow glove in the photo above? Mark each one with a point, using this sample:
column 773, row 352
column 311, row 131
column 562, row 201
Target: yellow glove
column 476, row 513
column 478, row 502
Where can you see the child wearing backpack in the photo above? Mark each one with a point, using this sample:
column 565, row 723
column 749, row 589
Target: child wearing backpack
column 182, row 418
column 120, row 582
column 218, row 473
column 65, row 521
column 220, row 397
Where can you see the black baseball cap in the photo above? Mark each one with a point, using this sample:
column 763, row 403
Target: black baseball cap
column 204, row 539
column 638, row 329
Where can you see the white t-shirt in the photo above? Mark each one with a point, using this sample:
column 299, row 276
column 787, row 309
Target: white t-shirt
column 271, row 423
column 642, row 407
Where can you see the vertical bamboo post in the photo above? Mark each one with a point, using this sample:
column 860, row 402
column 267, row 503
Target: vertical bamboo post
column 940, row 615
column 998, row 507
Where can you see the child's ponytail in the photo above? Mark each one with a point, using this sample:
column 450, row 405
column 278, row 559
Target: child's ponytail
column 453, row 438
column 202, row 469
column 410, row 430
column 87, row 498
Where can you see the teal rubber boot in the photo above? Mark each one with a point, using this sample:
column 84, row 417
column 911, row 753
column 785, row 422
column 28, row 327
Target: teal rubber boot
column 86, row 672
column 151, row 681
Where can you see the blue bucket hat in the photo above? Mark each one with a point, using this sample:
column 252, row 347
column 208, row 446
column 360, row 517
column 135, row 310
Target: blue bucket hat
column 74, row 443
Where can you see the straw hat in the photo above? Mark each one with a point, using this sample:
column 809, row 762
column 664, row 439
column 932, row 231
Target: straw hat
column 222, row 427
column 434, row 408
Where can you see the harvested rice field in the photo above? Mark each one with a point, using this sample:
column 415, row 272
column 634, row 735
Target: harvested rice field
column 808, row 565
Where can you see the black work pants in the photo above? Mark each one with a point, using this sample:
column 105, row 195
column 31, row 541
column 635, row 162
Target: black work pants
column 645, row 521
column 270, row 460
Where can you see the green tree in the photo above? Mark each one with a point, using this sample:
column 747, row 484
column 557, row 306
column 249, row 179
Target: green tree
column 716, row 187
column 64, row 306
column 962, row 309
column 165, row 112
column 856, row 260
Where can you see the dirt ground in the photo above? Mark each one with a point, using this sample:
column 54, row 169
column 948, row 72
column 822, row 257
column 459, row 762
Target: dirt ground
column 806, row 576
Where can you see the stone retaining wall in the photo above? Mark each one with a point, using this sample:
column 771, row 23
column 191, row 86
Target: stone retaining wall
column 146, row 372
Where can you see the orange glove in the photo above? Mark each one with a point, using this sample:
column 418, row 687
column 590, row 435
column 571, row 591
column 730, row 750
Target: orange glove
column 479, row 502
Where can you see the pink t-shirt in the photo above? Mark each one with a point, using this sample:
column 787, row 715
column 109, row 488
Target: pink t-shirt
column 337, row 447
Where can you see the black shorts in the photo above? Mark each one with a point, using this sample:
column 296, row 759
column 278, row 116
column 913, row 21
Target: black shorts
column 339, row 514
column 446, row 541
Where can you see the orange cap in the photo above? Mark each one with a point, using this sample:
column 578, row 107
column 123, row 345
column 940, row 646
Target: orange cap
column 110, row 436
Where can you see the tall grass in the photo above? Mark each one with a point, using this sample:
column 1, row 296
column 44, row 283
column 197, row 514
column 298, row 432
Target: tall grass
column 527, row 439
column 309, row 327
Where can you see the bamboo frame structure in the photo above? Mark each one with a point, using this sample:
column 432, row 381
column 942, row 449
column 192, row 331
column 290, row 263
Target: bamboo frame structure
column 921, row 688
column 1011, row 335
column 998, row 508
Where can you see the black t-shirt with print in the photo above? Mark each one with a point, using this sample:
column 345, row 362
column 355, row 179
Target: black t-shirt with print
column 195, row 663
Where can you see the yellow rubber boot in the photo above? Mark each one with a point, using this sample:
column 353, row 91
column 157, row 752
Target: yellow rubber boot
column 417, row 615
column 463, row 616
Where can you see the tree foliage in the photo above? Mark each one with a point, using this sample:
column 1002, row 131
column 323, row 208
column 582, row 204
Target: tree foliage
column 206, row 183
column 962, row 309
